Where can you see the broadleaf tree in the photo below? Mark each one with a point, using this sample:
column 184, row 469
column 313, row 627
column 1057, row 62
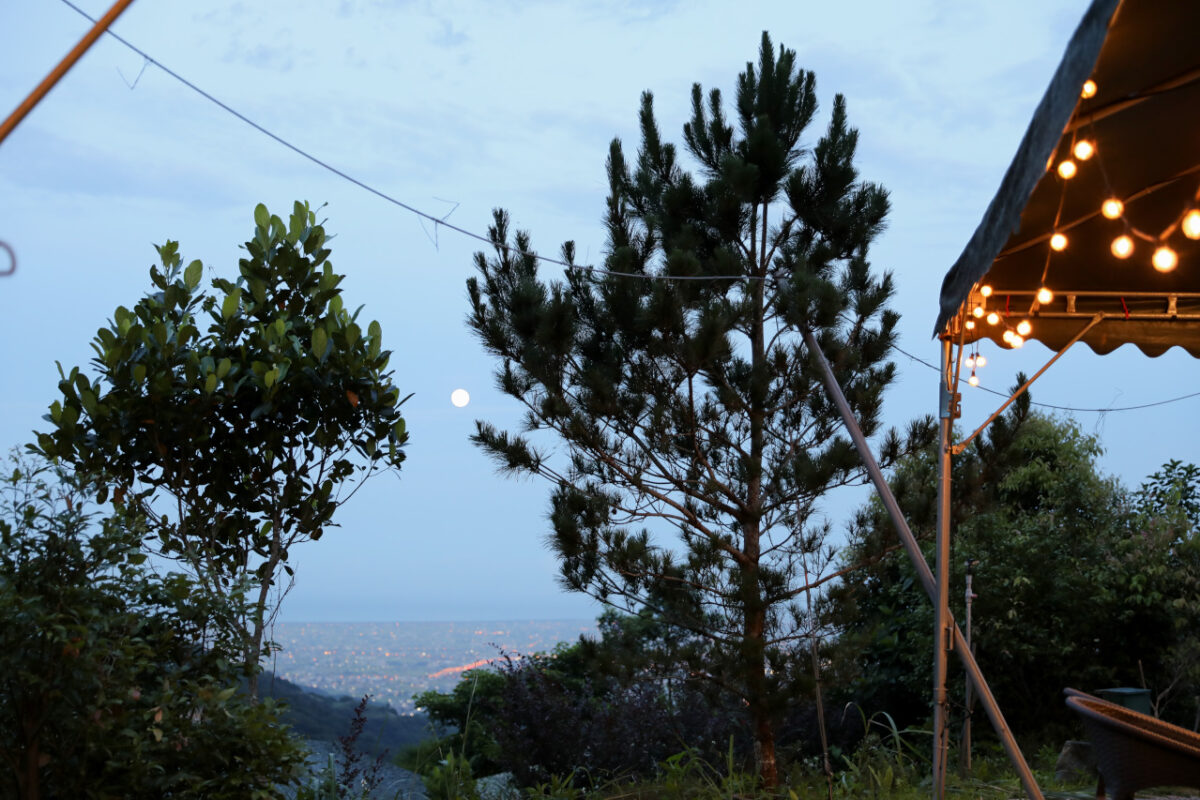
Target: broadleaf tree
column 237, row 439
column 699, row 440
column 1046, row 528
column 118, row 681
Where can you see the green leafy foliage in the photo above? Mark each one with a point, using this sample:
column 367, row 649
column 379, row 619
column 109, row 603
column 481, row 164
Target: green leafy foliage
column 117, row 681
column 699, row 437
column 1075, row 586
column 465, row 720
column 234, row 419
column 619, row 707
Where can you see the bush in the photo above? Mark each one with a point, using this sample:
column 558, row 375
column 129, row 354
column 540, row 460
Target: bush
column 118, row 681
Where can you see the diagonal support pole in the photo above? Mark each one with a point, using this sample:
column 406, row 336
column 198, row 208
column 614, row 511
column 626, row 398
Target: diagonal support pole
column 68, row 61
column 961, row 446
column 924, row 573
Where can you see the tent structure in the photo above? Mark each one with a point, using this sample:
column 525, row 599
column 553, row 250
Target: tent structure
column 1093, row 237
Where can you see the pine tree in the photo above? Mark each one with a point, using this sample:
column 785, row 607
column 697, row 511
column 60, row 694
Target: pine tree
column 699, row 438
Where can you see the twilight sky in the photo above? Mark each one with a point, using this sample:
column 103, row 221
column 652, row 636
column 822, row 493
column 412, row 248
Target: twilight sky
column 459, row 107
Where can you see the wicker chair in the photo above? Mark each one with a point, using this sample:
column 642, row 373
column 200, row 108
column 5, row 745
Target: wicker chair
column 1135, row 751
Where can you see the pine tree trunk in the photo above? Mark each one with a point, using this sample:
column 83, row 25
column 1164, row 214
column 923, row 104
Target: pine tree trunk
column 756, row 685
column 764, row 746
column 755, row 609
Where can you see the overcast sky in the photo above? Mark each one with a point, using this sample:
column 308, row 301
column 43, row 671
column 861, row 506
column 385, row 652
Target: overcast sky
column 459, row 107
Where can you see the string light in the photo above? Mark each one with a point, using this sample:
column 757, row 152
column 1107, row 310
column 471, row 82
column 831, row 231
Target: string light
column 970, row 362
column 973, row 380
column 1164, row 259
column 1191, row 224
column 980, row 361
column 1122, row 246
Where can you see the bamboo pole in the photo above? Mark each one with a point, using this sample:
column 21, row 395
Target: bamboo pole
column 68, row 61
column 924, row 573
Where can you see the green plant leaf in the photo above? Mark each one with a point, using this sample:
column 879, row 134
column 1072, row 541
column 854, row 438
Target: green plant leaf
column 319, row 341
column 229, row 305
column 193, row 274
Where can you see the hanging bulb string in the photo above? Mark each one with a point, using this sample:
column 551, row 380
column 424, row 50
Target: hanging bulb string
column 1180, row 81
column 1193, row 170
column 1170, row 229
column 1055, row 230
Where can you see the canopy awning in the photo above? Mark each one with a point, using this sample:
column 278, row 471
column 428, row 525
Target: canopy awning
column 1143, row 123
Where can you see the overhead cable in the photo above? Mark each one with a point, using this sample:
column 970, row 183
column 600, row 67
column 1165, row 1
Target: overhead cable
column 384, row 195
column 506, row 247
column 934, row 367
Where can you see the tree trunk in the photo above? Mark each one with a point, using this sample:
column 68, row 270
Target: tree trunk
column 259, row 613
column 753, row 604
column 29, row 780
column 764, row 747
column 754, row 663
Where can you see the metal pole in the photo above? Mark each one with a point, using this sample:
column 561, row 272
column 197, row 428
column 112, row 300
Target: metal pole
column 68, row 61
column 924, row 573
column 941, row 621
column 968, row 700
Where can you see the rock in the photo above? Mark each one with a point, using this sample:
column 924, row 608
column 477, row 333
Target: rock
column 501, row 786
column 1076, row 762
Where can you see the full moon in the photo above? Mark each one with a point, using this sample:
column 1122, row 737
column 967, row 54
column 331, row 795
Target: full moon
column 460, row 397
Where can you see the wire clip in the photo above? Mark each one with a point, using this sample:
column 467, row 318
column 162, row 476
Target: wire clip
column 12, row 259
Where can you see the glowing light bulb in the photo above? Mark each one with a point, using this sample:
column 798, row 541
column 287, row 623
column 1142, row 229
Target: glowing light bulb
column 1089, row 88
column 1058, row 242
column 1164, row 259
column 1112, row 208
column 977, row 311
column 1016, row 341
column 1024, row 327
column 1066, row 169
column 1044, row 295
column 993, row 318
column 1084, row 150
column 970, row 362
column 970, row 324
column 985, row 290
column 974, row 381
column 1122, row 246
column 1008, row 336
column 981, row 361
column 1191, row 224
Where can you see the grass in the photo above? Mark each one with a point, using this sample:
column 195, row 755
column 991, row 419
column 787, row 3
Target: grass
column 890, row 763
